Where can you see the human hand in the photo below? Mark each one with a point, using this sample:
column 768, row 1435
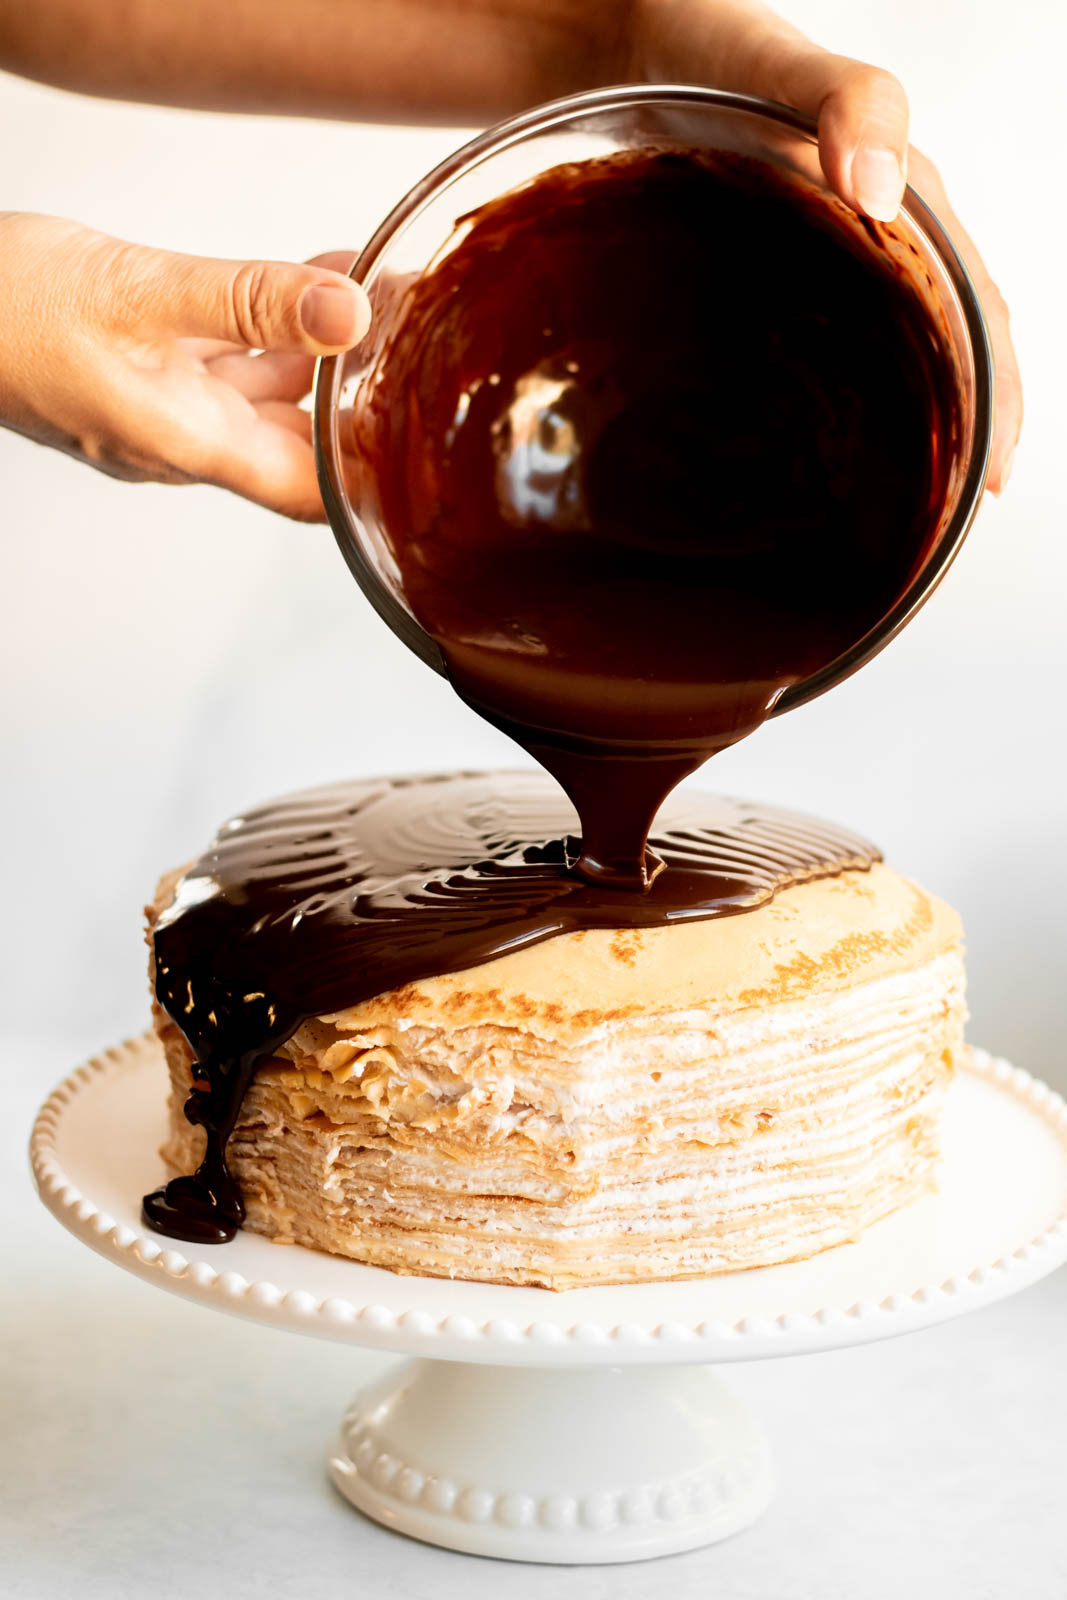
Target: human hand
column 140, row 362
column 862, row 113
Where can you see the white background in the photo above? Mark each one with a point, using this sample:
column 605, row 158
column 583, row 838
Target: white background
column 172, row 655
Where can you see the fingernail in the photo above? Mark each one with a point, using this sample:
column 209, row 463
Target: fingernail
column 877, row 182
column 333, row 315
column 1005, row 471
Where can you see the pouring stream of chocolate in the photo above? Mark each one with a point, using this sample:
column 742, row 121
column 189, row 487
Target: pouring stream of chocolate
column 657, row 437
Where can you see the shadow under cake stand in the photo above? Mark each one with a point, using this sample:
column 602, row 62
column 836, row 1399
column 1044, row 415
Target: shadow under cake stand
column 585, row 1426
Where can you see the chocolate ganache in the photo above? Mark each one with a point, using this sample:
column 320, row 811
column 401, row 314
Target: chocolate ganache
column 652, row 440
column 657, row 436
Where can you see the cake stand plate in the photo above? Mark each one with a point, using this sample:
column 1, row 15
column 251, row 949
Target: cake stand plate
column 583, row 1426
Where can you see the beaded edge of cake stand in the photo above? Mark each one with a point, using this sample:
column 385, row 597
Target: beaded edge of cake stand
column 378, row 1322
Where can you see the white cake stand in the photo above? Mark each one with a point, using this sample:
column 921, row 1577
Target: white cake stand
column 585, row 1426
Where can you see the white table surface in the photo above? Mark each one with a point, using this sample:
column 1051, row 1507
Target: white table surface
column 152, row 1448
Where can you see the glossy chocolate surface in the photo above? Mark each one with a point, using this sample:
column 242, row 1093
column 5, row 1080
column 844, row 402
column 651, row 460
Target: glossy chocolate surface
column 660, row 435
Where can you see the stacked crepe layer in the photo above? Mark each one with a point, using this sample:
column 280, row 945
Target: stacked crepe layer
column 611, row 1107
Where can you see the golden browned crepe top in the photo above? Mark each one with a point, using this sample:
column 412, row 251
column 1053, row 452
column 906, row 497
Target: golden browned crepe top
column 818, row 937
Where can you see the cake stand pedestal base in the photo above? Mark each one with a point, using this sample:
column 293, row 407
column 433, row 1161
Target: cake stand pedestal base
column 537, row 1464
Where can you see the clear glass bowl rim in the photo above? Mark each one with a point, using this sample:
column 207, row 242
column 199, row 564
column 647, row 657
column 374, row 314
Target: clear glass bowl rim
column 622, row 97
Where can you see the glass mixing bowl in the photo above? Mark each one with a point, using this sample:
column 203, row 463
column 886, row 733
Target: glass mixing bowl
column 596, row 124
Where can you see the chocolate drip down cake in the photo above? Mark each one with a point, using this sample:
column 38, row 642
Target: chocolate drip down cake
column 400, row 1029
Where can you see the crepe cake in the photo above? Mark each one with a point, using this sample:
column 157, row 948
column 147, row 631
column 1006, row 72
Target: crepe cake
column 748, row 1080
